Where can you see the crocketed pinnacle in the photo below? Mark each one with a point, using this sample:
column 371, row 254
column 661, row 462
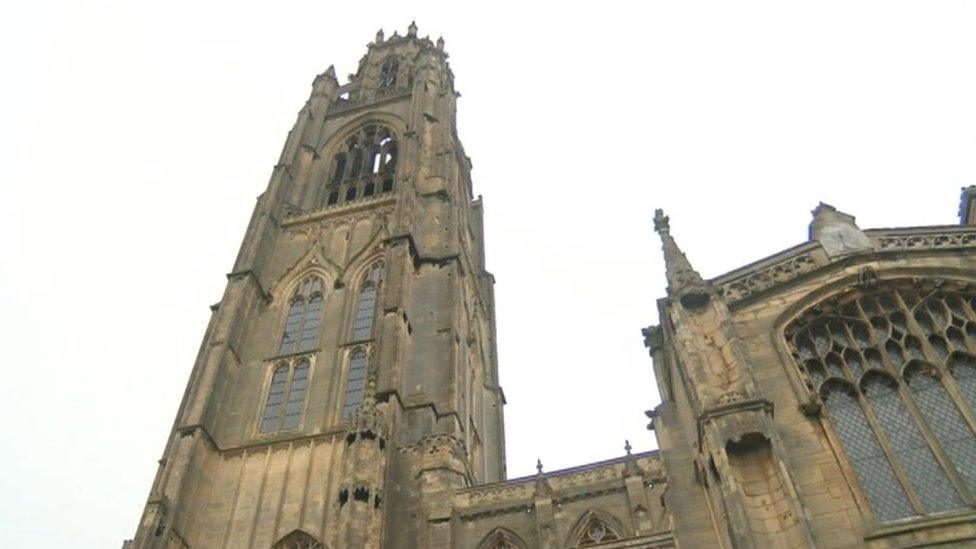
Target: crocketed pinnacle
column 684, row 282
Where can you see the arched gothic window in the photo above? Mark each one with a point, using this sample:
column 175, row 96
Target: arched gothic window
column 366, row 306
column 355, row 383
column 388, row 73
column 593, row 530
column 303, row 318
column 298, row 540
column 896, row 371
column 501, row 538
column 364, row 166
column 286, row 397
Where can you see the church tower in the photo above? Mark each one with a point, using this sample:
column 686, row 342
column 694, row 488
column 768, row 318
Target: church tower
column 347, row 385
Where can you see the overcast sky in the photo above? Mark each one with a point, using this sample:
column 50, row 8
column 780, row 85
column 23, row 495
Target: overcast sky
column 134, row 140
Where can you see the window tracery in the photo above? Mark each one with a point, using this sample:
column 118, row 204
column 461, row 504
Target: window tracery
column 364, row 166
column 286, row 397
column 895, row 368
column 388, row 73
column 595, row 531
column 303, row 317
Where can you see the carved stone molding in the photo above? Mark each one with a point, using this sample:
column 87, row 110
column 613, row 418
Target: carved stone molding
column 930, row 241
column 766, row 278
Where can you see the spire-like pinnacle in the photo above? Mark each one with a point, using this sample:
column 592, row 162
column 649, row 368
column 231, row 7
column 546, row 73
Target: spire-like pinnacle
column 538, row 466
column 440, row 42
column 379, row 36
column 684, row 282
column 412, row 29
column 330, row 71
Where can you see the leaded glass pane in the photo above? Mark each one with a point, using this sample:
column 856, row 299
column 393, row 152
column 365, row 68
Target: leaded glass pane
column 355, row 383
column 923, row 471
column 296, row 396
column 947, row 424
column 868, row 461
column 964, row 372
column 363, row 325
column 289, row 335
column 272, row 409
column 310, row 327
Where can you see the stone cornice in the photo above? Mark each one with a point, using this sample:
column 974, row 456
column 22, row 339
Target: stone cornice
column 761, row 276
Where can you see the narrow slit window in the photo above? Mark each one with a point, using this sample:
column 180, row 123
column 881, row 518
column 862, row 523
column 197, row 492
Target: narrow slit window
column 276, row 396
column 355, row 383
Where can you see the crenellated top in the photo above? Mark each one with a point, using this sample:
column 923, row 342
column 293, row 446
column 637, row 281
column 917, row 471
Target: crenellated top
column 390, row 67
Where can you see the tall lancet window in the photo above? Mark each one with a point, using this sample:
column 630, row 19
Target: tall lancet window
column 892, row 365
column 364, row 166
column 355, row 383
column 286, row 397
column 303, row 318
column 366, row 306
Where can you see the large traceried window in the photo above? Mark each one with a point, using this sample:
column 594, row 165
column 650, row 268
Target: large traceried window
column 363, row 167
column 366, row 306
column 895, row 367
column 355, row 383
column 303, row 318
column 286, row 397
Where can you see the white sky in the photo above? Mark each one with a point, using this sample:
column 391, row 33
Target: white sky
column 135, row 137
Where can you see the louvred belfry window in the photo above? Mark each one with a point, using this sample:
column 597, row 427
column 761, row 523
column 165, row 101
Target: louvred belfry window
column 895, row 368
column 303, row 317
column 363, row 167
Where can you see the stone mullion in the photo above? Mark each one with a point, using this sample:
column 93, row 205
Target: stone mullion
column 889, row 453
column 903, row 391
column 876, row 425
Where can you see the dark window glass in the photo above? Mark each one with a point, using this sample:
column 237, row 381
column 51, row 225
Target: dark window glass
column 868, row 461
column 276, row 395
column 920, row 466
column 355, row 383
column 333, row 198
column 296, row 396
column 351, row 193
column 947, row 424
column 388, row 73
column 368, row 189
column 388, row 184
column 290, row 334
column 313, row 314
column 340, row 167
column 913, row 332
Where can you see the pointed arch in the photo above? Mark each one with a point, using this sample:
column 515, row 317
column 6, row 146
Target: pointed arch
column 298, row 539
column 304, row 313
column 355, row 389
column 502, row 538
column 893, row 353
column 595, row 526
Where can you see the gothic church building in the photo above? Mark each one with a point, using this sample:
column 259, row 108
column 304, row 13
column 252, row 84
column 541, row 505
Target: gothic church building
column 346, row 394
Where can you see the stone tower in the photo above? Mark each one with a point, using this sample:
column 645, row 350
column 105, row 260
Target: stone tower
column 347, row 384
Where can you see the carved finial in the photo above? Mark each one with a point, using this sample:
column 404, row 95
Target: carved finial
column 379, row 36
column 630, row 467
column 440, row 42
column 330, row 71
column 412, row 29
column 684, row 282
column 542, row 488
column 627, row 446
column 661, row 221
